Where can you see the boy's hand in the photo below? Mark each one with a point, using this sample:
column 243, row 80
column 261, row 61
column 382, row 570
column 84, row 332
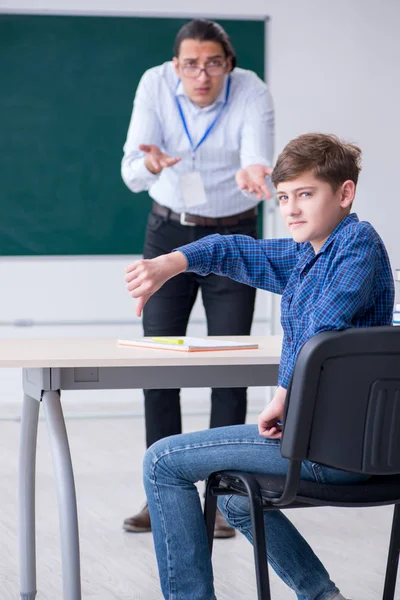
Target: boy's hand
column 252, row 180
column 268, row 420
column 144, row 277
column 155, row 160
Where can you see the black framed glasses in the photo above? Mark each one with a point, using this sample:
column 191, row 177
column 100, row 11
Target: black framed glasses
column 213, row 69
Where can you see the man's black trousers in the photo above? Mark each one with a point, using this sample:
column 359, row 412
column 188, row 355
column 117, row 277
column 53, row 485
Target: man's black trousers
column 229, row 308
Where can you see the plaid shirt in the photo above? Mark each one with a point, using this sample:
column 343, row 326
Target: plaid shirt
column 348, row 283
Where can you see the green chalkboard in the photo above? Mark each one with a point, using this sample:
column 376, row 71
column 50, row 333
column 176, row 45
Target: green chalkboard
column 66, row 89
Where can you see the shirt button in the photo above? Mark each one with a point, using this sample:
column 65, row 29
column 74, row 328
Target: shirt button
column 289, row 339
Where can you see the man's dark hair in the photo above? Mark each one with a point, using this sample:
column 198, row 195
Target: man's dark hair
column 205, row 31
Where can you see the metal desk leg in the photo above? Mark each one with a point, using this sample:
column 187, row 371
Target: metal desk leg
column 27, row 462
column 64, row 478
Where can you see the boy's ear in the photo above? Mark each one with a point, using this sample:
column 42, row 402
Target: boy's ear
column 348, row 191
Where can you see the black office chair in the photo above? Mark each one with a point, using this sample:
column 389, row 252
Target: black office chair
column 342, row 411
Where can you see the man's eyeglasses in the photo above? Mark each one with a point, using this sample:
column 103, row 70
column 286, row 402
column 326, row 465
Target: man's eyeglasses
column 213, row 69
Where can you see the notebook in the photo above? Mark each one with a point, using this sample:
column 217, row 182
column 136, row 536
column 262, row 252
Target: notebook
column 189, row 344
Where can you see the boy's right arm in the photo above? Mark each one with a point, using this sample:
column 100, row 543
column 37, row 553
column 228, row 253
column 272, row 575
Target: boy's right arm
column 266, row 264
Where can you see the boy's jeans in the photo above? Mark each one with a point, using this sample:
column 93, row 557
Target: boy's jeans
column 172, row 466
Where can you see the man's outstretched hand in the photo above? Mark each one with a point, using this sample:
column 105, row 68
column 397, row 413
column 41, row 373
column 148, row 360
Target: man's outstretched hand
column 144, row 277
column 252, row 180
column 155, row 160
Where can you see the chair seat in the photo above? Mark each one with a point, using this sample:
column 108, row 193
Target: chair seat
column 378, row 490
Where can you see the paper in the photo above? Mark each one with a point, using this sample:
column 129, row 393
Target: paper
column 190, row 344
column 192, row 189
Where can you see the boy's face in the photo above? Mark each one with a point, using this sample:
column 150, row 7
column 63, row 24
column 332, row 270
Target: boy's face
column 310, row 208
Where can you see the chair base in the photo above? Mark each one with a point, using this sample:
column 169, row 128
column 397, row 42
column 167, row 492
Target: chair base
column 248, row 484
column 257, row 524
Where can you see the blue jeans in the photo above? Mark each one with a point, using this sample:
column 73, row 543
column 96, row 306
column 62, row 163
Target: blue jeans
column 171, row 468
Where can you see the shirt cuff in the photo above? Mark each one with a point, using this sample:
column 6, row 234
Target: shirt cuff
column 284, row 379
column 193, row 257
column 139, row 169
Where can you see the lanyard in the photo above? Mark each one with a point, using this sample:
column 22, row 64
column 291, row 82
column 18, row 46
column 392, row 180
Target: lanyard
column 209, row 128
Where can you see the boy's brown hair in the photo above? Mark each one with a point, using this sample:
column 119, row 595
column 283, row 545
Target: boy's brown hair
column 325, row 155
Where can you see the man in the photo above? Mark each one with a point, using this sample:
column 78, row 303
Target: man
column 334, row 274
column 201, row 141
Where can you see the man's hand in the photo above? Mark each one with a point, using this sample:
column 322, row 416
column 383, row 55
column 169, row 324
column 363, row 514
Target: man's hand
column 252, row 179
column 144, row 277
column 155, row 160
column 268, row 420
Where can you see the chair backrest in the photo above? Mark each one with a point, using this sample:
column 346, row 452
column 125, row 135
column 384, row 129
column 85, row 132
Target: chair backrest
column 343, row 404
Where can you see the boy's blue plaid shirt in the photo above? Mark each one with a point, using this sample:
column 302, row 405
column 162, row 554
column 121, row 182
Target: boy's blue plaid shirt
column 349, row 283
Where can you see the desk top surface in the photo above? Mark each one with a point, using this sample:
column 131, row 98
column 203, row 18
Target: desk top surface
column 98, row 352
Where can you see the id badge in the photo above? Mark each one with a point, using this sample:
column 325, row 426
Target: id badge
column 192, row 189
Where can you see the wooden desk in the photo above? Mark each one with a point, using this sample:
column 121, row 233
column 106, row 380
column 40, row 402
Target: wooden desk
column 52, row 365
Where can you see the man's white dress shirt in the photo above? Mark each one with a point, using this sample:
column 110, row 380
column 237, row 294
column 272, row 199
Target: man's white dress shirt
column 242, row 136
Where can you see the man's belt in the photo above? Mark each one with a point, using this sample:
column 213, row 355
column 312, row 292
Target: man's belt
column 192, row 220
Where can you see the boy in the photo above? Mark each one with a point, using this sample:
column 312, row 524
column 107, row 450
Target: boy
column 333, row 274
